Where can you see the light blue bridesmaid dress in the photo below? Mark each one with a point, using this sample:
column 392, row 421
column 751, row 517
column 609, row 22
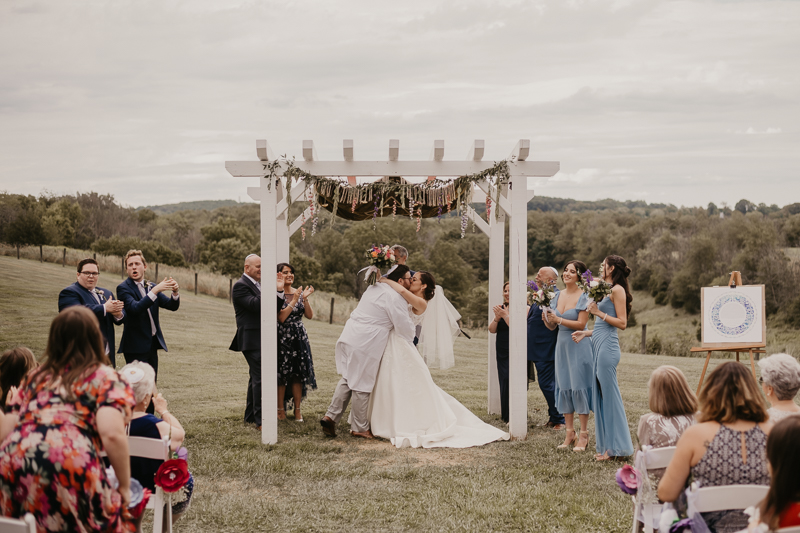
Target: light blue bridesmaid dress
column 574, row 364
column 612, row 434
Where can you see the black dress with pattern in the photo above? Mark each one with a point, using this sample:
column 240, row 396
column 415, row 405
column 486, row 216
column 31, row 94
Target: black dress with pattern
column 294, row 352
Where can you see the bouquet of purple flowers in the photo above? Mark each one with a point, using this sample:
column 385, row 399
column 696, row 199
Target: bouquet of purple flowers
column 596, row 289
column 542, row 296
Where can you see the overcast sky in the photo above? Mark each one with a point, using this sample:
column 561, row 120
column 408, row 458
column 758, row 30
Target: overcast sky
column 684, row 102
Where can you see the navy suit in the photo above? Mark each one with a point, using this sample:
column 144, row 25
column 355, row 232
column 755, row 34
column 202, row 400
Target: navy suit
column 138, row 342
column 77, row 294
column 541, row 354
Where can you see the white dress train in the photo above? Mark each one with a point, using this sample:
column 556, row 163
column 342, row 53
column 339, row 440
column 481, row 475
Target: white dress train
column 409, row 409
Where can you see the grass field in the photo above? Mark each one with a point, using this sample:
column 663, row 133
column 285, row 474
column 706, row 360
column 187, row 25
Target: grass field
column 309, row 483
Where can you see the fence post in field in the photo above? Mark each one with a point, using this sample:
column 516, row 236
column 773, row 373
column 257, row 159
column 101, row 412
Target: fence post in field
column 122, row 273
column 644, row 339
column 230, row 290
column 330, row 320
column 156, row 271
column 64, row 260
column 41, row 254
column 94, row 256
column 18, row 251
column 195, row 283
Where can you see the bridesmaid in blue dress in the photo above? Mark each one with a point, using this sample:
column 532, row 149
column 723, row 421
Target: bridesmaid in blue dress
column 612, row 435
column 573, row 361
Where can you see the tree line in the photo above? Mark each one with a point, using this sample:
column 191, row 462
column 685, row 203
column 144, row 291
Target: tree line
column 672, row 251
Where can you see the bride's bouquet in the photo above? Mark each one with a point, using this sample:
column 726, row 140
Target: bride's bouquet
column 542, row 296
column 379, row 257
column 596, row 289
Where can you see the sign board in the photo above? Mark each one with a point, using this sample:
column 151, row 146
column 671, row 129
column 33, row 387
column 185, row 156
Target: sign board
column 733, row 316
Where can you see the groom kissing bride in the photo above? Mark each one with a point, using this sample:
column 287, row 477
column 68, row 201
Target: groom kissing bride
column 394, row 396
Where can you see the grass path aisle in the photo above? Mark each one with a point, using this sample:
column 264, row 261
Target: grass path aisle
column 310, row 483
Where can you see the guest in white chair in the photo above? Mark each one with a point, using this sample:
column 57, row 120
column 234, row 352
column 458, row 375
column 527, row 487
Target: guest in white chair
column 780, row 381
column 727, row 446
column 673, row 406
column 142, row 379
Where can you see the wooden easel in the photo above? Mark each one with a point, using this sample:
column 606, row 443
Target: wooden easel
column 750, row 349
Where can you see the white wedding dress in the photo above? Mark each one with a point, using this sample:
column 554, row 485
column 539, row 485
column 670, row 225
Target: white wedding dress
column 408, row 408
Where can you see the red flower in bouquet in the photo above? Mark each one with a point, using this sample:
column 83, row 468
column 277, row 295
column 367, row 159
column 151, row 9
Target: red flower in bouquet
column 172, row 475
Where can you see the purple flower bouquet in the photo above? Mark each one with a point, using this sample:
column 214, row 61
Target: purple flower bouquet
column 541, row 296
column 596, row 289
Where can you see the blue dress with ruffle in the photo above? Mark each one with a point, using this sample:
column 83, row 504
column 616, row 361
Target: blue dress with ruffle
column 574, row 364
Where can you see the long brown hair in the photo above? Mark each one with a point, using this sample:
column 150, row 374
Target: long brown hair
column 74, row 348
column 620, row 277
column 785, row 462
column 580, row 268
column 669, row 392
column 731, row 393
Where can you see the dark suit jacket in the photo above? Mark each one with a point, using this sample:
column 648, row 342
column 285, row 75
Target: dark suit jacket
column 541, row 341
column 76, row 294
column 137, row 336
column 247, row 305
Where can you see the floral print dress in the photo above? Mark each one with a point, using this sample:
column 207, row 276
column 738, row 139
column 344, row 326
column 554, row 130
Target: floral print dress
column 294, row 353
column 50, row 465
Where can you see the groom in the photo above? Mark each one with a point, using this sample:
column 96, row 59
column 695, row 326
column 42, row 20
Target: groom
column 359, row 351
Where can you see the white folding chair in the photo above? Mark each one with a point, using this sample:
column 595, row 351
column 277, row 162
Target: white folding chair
column 155, row 449
column 726, row 497
column 26, row 524
column 649, row 459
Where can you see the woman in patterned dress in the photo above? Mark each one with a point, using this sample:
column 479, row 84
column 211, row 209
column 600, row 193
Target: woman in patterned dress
column 66, row 412
column 727, row 446
column 295, row 365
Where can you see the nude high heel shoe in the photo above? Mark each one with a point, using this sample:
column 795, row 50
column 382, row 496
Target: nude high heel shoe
column 582, row 448
column 568, row 440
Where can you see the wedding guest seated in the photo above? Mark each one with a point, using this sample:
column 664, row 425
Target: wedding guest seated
column 780, row 381
column 14, row 366
column 727, row 446
column 673, row 406
column 142, row 379
column 66, row 413
column 781, row 507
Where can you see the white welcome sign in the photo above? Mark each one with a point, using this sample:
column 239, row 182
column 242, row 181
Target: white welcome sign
column 733, row 316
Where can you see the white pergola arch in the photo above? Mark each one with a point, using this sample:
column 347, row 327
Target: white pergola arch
column 512, row 200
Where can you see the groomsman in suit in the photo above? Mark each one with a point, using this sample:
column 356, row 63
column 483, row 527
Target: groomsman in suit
column 100, row 301
column 141, row 336
column 542, row 351
column 246, row 296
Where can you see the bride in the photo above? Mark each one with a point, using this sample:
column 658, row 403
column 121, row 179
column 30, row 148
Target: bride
column 406, row 406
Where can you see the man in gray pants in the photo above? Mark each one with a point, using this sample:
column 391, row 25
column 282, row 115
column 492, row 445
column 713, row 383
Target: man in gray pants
column 359, row 351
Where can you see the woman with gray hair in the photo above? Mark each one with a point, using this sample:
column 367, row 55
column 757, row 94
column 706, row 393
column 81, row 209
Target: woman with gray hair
column 780, row 381
column 142, row 379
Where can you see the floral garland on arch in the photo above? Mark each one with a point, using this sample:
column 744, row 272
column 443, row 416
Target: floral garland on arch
column 389, row 195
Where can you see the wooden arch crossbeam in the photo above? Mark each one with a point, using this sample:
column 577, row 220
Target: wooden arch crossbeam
column 512, row 198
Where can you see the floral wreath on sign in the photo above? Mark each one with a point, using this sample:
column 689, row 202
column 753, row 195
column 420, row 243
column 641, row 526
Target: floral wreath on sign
column 371, row 200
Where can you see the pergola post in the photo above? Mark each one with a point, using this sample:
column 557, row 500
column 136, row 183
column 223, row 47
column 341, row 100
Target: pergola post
column 518, row 334
column 282, row 230
column 268, row 196
column 497, row 249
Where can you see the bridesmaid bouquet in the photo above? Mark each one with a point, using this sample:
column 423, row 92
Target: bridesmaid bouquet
column 541, row 296
column 380, row 256
column 596, row 289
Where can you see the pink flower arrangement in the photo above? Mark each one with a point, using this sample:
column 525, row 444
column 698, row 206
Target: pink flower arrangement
column 628, row 479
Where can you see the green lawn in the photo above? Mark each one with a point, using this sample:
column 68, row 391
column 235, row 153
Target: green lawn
column 309, row 483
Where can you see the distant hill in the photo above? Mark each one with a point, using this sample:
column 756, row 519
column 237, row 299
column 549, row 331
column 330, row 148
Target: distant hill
column 189, row 206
